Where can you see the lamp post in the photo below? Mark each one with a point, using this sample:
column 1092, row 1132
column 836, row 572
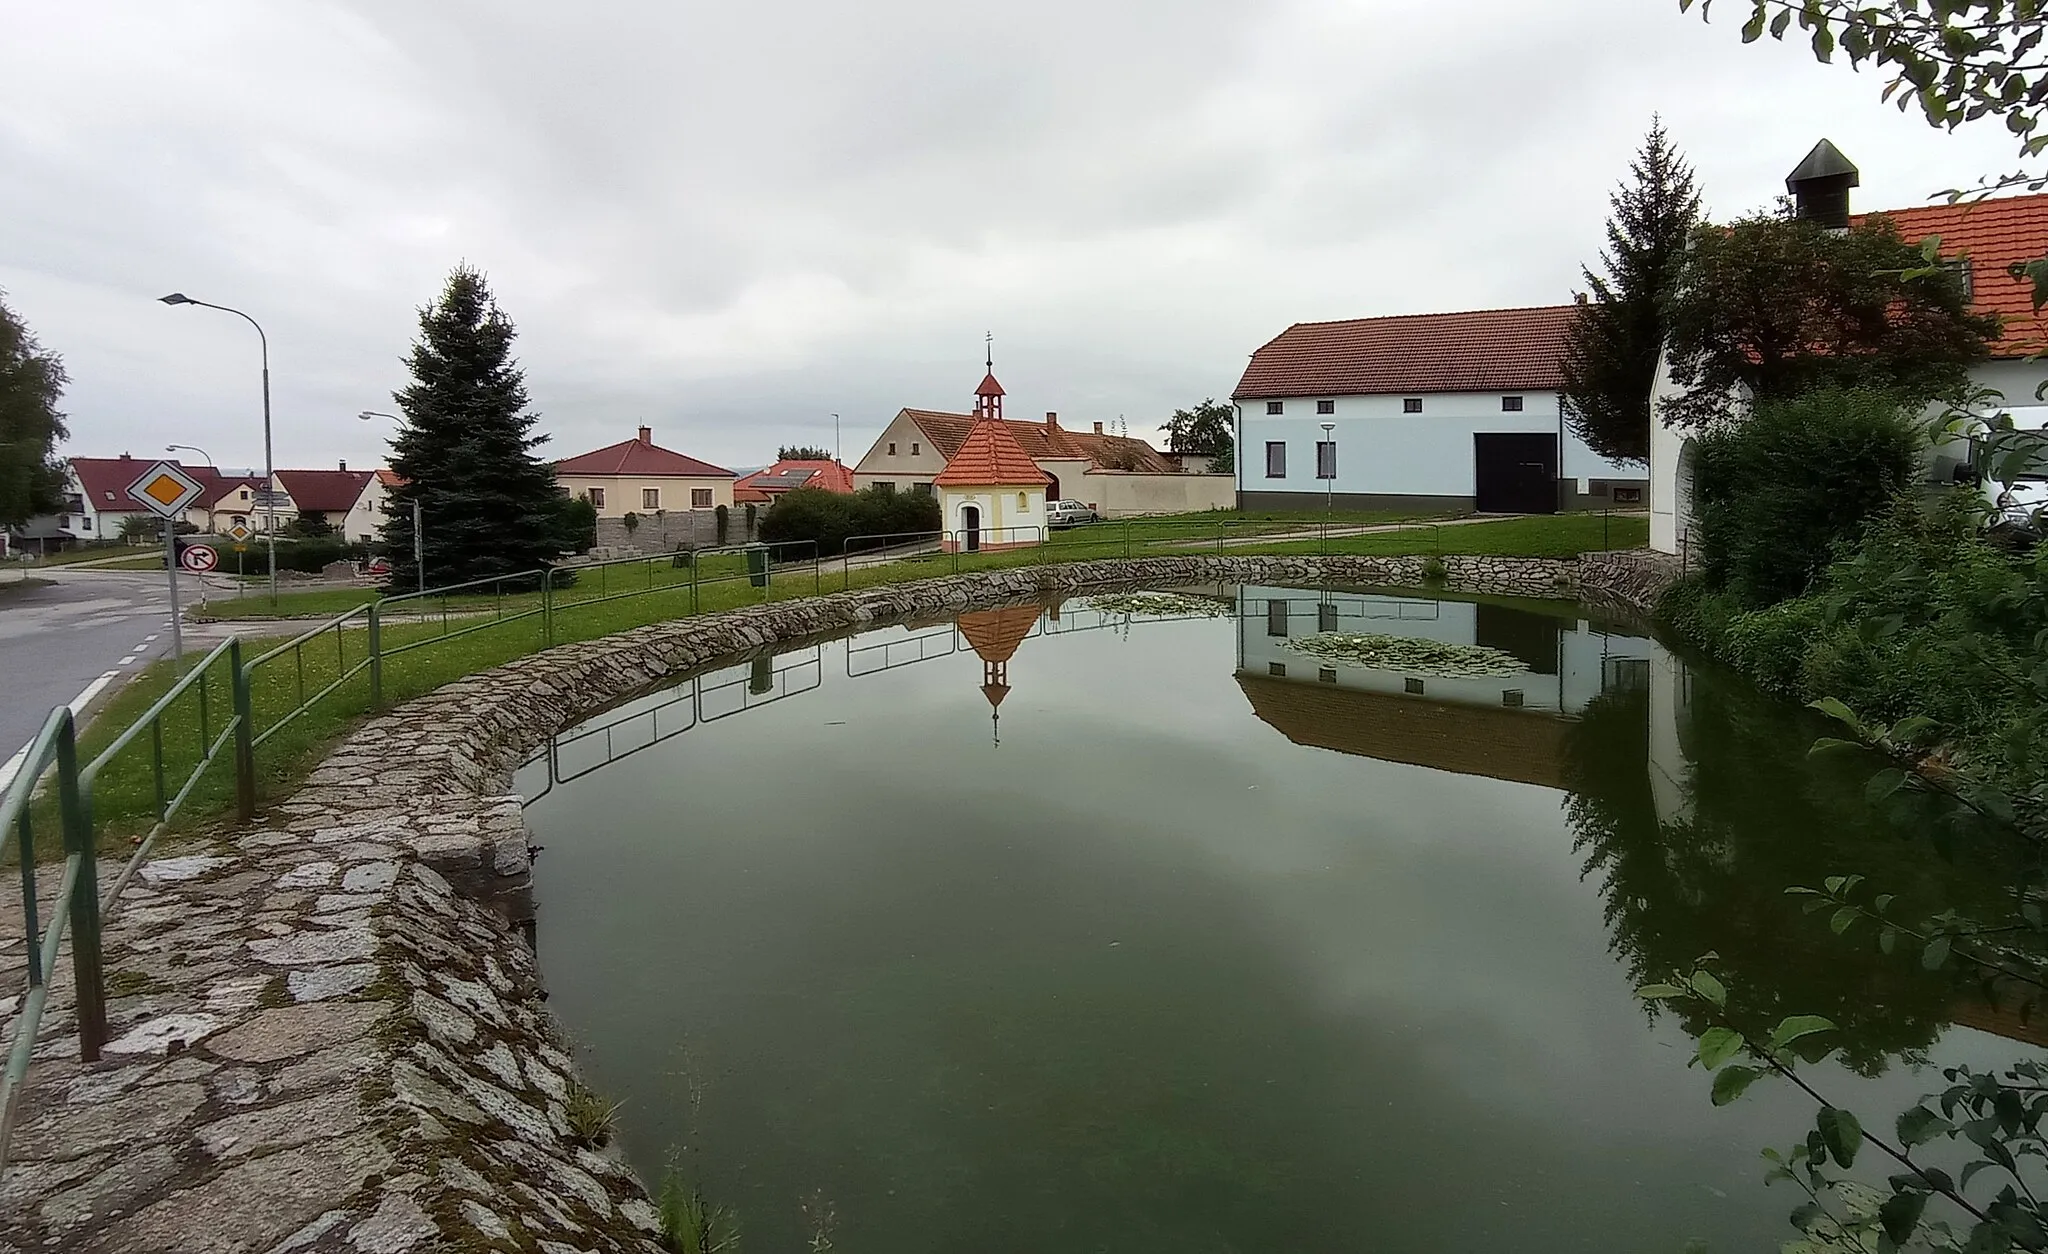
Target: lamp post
column 191, row 448
column 419, row 555
column 1329, row 480
column 835, row 438
column 269, row 467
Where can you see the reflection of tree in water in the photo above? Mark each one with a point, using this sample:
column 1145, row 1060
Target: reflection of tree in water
column 1763, row 817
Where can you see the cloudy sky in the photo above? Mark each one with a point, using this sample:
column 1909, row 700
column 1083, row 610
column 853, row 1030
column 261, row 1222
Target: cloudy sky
column 729, row 221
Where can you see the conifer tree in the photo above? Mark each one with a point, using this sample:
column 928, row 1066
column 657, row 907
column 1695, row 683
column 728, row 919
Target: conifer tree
column 31, row 383
column 1611, row 355
column 466, row 451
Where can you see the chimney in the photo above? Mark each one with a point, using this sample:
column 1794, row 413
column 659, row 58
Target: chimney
column 647, row 435
column 124, row 457
column 1098, row 428
column 341, row 465
column 1820, row 187
column 1052, row 420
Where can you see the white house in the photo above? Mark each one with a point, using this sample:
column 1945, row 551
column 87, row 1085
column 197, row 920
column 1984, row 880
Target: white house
column 1450, row 412
column 1981, row 240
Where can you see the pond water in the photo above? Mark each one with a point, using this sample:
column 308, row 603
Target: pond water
column 1061, row 928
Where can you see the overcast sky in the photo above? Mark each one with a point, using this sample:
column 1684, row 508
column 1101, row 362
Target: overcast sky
column 729, row 221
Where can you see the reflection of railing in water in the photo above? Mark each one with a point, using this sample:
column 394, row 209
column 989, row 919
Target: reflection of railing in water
column 760, row 685
column 882, row 655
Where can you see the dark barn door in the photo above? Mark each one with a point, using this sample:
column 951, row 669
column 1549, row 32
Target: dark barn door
column 1514, row 473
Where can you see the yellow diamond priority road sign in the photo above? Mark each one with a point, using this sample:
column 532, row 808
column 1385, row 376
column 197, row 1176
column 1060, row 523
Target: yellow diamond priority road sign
column 165, row 490
column 240, row 535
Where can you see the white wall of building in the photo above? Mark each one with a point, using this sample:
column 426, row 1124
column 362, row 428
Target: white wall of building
column 365, row 520
column 1382, row 450
column 1010, row 515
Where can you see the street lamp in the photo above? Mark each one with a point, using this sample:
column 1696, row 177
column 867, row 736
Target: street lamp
column 835, row 438
column 269, row 466
column 191, row 448
column 1329, row 480
column 419, row 556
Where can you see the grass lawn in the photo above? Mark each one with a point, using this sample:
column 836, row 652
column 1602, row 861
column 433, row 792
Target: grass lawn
column 480, row 632
column 94, row 553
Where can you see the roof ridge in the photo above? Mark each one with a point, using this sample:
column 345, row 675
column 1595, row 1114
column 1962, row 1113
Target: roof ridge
column 1455, row 313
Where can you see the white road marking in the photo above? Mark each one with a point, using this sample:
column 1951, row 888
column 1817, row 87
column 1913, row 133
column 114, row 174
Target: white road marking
column 148, row 639
column 12, row 767
column 130, row 658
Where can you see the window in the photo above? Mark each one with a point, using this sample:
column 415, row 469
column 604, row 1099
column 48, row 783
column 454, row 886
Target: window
column 650, row 498
column 1959, row 269
column 85, row 523
column 1023, row 501
column 914, row 447
column 1326, row 617
column 1628, row 496
column 1326, row 407
column 1278, row 669
column 921, row 489
column 1327, row 675
column 1512, row 698
column 1511, row 404
column 1619, row 674
column 1275, row 407
column 597, row 498
column 1413, row 687
column 700, row 498
column 1411, row 404
column 1326, row 459
column 892, row 448
column 1276, row 459
column 1276, row 618
column 887, row 487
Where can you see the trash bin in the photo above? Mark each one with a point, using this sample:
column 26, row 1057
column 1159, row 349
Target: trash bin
column 757, row 565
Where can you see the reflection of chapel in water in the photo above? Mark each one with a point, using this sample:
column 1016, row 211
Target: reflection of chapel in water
column 994, row 636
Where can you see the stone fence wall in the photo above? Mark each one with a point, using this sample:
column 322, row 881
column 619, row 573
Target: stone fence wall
column 664, row 533
column 329, row 1032
column 1631, row 579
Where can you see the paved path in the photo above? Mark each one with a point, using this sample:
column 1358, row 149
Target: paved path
column 74, row 637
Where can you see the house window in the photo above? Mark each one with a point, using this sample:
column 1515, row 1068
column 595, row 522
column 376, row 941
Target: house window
column 892, row 448
column 1512, row 698
column 1411, row 404
column 1326, row 407
column 85, row 523
column 1023, row 501
column 240, row 520
column 921, row 489
column 1413, row 687
column 700, row 498
column 650, row 498
column 915, row 448
column 1327, row 675
column 887, row 487
column 1511, row 404
column 1326, row 459
column 1276, row 617
column 1276, row 459
column 597, row 498
column 1959, row 269
column 1628, row 496
column 1326, row 617
column 1275, row 407
column 1278, row 669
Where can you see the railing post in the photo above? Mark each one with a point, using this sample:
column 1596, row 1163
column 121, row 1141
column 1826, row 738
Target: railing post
column 1127, row 538
column 245, row 731
column 547, row 604
column 376, row 658
column 87, row 974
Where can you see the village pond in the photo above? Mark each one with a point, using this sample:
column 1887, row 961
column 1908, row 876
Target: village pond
column 1203, row 924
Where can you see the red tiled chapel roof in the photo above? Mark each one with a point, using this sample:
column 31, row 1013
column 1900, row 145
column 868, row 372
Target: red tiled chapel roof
column 991, row 457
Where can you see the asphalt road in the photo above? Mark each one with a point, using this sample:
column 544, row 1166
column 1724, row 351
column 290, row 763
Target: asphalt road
column 58, row 640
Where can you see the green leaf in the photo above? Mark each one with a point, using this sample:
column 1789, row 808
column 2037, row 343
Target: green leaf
column 1884, row 784
column 1936, row 954
column 1718, row 1045
column 1706, row 985
column 1657, row 992
column 1842, row 919
column 1834, row 709
column 1729, row 1083
column 1888, row 939
column 1781, row 23
column 1753, row 29
column 1843, row 1135
column 1921, row 1125
column 1900, row 1215
column 1793, row 1027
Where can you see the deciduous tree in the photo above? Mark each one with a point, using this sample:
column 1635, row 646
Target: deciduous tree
column 32, row 380
column 1203, row 429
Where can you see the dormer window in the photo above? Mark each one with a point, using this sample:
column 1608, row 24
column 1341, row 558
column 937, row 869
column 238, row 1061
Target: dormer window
column 1276, row 407
column 1959, row 269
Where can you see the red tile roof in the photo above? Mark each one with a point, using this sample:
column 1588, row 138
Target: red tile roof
column 949, row 431
column 1993, row 234
column 995, row 634
column 990, row 457
column 829, row 475
column 641, row 459
column 105, row 481
column 1487, row 350
column 989, row 386
column 390, row 478
column 325, row 491
column 224, row 486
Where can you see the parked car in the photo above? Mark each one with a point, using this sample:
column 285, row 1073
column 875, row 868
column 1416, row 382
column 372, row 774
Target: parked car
column 1069, row 514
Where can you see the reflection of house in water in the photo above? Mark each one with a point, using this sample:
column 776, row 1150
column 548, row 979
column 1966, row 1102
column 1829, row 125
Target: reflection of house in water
column 1504, row 727
column 994, row 636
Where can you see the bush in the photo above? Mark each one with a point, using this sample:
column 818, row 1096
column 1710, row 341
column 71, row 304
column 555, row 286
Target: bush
column 1770, row 644
column 1779, row 493
column 579, row 524
column 830, row 518
column 308, row 556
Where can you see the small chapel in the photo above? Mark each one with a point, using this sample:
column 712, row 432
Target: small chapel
column 991, row 494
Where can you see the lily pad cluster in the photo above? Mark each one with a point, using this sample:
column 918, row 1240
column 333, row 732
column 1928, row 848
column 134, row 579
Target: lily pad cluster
column 1409, row 655
column 1158, row 605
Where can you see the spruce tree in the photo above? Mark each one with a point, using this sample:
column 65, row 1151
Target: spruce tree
column 466, row 451
column 1611, row 354
column 31, row 383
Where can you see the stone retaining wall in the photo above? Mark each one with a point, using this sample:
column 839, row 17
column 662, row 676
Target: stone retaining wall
column 329, row 1033
column 1632, row 579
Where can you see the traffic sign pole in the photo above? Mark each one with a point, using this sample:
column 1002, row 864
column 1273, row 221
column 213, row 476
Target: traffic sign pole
column 171, row 565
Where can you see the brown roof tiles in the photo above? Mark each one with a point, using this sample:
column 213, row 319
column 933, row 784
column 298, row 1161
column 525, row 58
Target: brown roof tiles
column 1487, row 350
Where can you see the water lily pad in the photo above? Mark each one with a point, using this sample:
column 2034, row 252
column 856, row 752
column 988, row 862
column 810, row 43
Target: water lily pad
column 1409, row 656
column 1158, row 605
